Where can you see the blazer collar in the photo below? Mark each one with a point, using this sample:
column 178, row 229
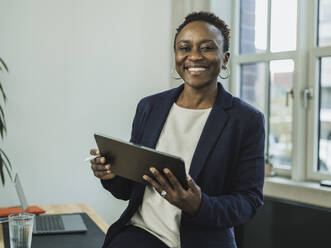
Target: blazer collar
column 210, row 134
column 153, row 128
column 212, row 131
column 158, row 116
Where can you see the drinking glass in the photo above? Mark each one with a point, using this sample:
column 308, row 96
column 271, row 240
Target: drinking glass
column 20, row 230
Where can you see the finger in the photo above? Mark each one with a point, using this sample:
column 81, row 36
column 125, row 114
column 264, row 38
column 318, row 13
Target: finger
column 161, row 180
column 173, row 180
column 192, row 185
column 108, row 176
column 153, row 183
column 102, row 173
column 98, row 160
column 98, row 167
column 94, row 152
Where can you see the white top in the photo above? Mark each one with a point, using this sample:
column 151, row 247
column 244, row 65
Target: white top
column 179, row 137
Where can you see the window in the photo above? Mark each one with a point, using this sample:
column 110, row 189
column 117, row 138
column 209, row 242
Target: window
column 280, row 112
column 319, row 162
column 253, row 26
column 281, row 64
column 266, row 61
column 324, row 23
column 324, row 162
column 253, row 84
column 324, row 81
column 283, row 25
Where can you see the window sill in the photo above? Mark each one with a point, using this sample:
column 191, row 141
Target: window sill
column 305, row 192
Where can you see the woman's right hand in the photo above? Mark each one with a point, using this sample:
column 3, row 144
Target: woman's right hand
column 100, row 169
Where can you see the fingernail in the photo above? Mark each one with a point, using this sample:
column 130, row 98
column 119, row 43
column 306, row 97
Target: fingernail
column 145, row 177
column 166, row 170
column 152, row 169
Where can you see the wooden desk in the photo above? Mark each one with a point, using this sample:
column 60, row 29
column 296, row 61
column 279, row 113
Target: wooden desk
column 67, row 209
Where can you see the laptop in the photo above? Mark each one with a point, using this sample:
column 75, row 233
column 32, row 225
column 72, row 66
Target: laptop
column 51, row 224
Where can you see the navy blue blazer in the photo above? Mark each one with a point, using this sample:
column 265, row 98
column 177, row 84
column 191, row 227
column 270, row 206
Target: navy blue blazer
column 228, row 165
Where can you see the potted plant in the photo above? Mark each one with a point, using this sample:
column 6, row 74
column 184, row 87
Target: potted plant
column 4, row 161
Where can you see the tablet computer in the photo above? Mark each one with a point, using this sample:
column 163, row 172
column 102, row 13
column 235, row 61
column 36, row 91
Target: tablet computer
column 132, row 161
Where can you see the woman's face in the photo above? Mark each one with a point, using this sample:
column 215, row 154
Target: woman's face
column 199, row 54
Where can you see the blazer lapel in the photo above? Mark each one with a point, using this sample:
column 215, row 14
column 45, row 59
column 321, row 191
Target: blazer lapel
column 153, row 128
column 210, row 134
column 212, row 130
column 158, row 116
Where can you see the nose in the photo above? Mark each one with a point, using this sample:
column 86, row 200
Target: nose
column 195, row 54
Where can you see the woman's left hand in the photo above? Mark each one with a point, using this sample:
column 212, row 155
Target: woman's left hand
column 187, row 200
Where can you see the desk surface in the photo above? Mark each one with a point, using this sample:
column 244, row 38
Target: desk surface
column 67, row 209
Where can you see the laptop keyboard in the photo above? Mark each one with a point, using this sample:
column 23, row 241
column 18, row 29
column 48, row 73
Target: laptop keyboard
column 49, row 223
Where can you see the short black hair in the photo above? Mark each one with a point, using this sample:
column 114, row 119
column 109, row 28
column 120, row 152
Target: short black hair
column 211, row 19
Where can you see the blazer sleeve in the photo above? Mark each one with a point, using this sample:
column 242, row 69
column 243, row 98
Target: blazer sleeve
column 121, row 187
column 246, row 194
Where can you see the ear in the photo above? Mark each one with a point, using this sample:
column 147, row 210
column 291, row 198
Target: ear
column 226, row 57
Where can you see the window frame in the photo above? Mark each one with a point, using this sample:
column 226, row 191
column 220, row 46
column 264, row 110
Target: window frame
column 315, row 53
column 305, row 121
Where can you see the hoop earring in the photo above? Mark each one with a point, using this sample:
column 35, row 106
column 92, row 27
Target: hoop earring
column 173, row 74
column 224, row 74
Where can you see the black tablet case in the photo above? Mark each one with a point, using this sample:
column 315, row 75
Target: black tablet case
column 94, row 237
column 133, row 161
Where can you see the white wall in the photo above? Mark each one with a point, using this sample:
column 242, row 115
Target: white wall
column 76, row 67
column 222, row 8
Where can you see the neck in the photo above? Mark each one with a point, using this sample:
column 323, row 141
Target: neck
column 197, row 98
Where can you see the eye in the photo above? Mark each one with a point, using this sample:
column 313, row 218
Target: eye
column 184, row 48
column 207, row 48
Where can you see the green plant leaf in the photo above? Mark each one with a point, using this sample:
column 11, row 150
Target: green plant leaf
column 2, row 114
column 4, row 160
column 7, row 159
column 4, row 64
column 1, row 171
column 3, row 92
column 3, row 127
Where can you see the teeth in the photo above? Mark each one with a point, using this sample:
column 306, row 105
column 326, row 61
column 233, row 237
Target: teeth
column 196, row 69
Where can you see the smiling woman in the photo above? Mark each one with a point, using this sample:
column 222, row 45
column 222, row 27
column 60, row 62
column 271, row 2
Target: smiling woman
column 220, row 138
column 199, row 56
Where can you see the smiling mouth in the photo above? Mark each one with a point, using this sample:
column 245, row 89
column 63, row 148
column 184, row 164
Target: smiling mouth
column 195, row 70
